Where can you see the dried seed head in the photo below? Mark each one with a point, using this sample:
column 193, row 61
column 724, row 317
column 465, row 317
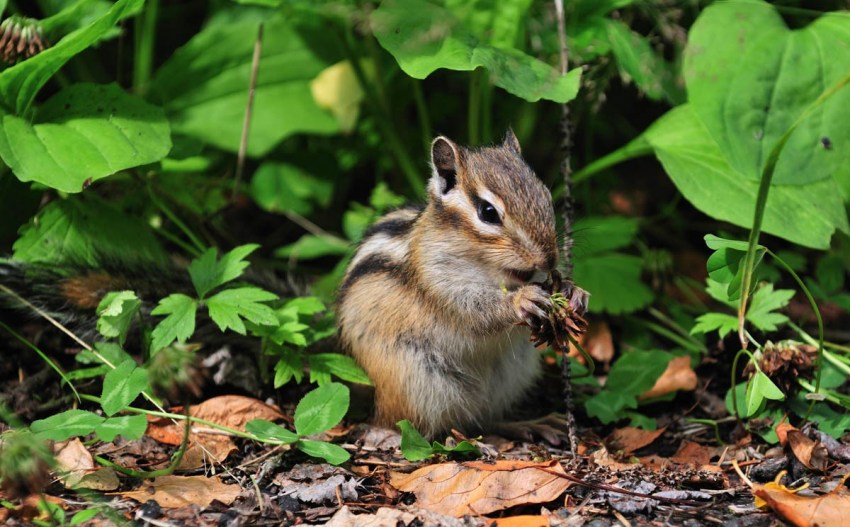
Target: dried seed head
column 20, row 39
column 563, row 321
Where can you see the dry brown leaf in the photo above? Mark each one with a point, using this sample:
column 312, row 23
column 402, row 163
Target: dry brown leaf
column 519, row 521
column 208, row 445
column 678, row 376
column 782, row 430
column 172, row 492
column 604, row 458
column 77, row 468
column 597, row 342
column 628, row 439
column 830, row 510
column 693, row 454
column 812, row 454
column 482, row 487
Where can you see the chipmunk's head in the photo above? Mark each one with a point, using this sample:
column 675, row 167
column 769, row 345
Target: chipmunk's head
column 495, row 207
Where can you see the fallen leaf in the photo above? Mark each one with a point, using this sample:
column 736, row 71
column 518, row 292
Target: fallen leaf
column 596, row 341
column 693, row 454
column 812, row 454
column 604, row 458
column 782, row 430
column 77, row 469
column 519, row 521
column 480, row 487
column 678, row 376
column 829, row 510
column 172, row 492
column 207, row 445
column 628, row 439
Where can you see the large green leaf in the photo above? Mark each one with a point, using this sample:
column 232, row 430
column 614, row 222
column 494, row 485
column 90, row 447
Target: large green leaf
column 321, row 409
column 423, row 37
column 204, row 85
column 750, row 78
column 807, row 214
column 20, row 83
column 84, row 133
column 613, row 280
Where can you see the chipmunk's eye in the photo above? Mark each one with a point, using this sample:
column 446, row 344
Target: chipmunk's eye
column 488, row 213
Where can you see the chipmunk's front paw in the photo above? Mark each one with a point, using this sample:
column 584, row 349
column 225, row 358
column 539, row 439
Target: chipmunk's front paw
column 577, row 297
column 531, row 303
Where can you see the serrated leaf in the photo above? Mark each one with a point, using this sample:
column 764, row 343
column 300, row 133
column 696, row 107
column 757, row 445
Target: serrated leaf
column 613, row 280
column 67, row 424
column 130, row 427
column 765, row 301
column 115, row 314
column 321, row 409
column 414, row 447
column 339, row 365
column 179, row 325
column 424, row 36
column 228, row 308
column 289, row 366
column 122, row 385
column 208, row 272
column 722, row 323
column 306, row 305
column 333, row 454
column 270, row 432
column 634, row 373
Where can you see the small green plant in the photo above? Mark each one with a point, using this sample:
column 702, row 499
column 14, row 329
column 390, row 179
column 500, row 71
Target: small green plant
column 317, row 412
column 414, row 447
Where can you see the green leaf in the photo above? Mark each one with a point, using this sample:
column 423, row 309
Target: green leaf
column 634, row 373
column 306, row 305
column 424, row 36
column 84, row 133
column 759, row 388
column 805, row 214
column 281, row 187
column 828, row 420
column 108, row 350
column 830, row 273
column 321, row 409
column 339, row 365
column 83, row 516
column 122, row 385
column 208, row 272
column 289, row 366
column 229, row 307
column 708, row 322
column 178, row 325
column 311, row 246
column 333, row 454
column 87, row 231
column 204, row 84
column 67, row 424
column 414, row 447
column 597, row 234
column 639, row 63
column 115, row 314
column 765, row 301
column 499, row 23
column 750, row 89
column 20, row 83
column 269, row 432
column 383, row 199
column 613, row 280
column 130, row 427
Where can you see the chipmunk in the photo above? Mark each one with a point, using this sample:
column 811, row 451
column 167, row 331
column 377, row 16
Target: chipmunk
column 432, row 302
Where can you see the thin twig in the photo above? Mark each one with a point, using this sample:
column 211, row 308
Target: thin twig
column 249, row 106
column 566, row 145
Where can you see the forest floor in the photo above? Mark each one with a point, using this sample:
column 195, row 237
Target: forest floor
column 678, row 474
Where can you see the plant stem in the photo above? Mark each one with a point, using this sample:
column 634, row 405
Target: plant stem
column 249, row 107
column 144, row 47
column 422, row 110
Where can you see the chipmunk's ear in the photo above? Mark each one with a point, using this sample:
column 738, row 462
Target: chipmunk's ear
column 511, row 142
column 446, row 160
